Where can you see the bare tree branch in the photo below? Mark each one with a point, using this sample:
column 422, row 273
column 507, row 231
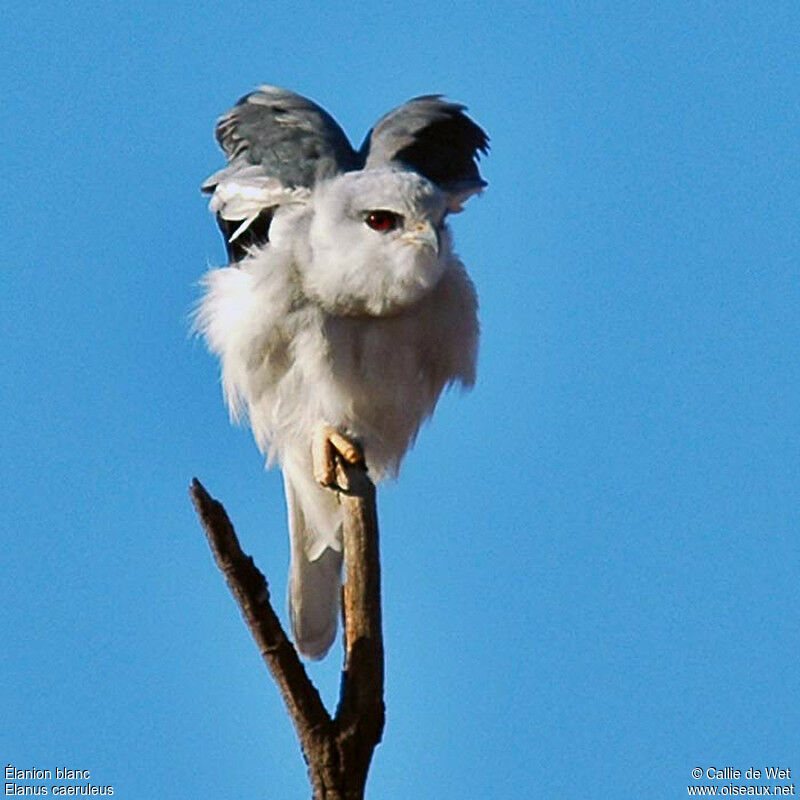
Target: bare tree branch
column 337, row 751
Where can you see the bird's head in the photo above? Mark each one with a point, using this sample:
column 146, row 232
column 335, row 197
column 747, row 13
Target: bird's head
column 378, row 242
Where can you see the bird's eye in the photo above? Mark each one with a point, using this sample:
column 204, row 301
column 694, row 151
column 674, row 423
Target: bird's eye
column 382, row 221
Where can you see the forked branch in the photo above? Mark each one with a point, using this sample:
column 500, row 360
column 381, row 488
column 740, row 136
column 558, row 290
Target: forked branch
column 338, row 750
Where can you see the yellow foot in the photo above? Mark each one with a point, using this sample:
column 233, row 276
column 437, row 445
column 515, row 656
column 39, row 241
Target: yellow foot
column 328, row 444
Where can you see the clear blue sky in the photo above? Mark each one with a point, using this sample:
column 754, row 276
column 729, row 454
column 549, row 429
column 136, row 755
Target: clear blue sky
column 590, row 562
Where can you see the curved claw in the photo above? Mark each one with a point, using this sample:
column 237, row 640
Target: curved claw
column 328, row 444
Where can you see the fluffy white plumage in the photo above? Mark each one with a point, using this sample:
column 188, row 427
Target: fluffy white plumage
column 334, row 322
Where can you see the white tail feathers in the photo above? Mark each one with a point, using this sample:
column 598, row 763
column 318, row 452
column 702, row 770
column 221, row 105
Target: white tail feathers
column 316, row 567
column 314, row 595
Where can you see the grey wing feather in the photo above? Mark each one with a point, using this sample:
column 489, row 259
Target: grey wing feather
column 278, row 145
column 289, row 136
column 435, row 138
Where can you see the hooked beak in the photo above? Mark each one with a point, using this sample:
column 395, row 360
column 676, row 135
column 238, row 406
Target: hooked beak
column 423, row 233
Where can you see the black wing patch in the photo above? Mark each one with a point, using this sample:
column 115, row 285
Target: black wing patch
column 433, row 137
column 255, row 235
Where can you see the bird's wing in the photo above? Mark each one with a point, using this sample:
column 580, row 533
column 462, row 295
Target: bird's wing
column 436, row 139
column 278, row 146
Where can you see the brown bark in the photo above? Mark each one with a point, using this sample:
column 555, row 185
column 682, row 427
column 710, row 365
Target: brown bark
column 337, row 750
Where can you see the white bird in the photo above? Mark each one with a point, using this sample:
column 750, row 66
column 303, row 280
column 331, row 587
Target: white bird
column 343, row 312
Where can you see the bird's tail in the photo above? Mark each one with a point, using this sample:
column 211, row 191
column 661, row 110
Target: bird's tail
column 316, row 564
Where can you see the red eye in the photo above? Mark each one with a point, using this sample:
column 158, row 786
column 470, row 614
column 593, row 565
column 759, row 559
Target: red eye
column 382, row 221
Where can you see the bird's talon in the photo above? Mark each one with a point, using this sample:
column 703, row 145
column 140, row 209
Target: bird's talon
column 324, row 477
column 348, row 450
column 327, row 446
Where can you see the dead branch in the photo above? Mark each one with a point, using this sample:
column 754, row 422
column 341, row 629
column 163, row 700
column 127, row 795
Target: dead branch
column 337, row 750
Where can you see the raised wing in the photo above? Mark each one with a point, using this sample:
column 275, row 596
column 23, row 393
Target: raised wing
column 278, row 146
column 434, row 138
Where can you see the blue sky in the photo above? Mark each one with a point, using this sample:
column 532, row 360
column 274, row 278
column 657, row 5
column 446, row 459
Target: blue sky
column 590, row 562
